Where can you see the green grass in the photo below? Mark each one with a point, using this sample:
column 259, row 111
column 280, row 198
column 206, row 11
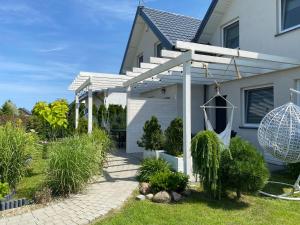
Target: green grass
column 35, row 178
column 198, row 209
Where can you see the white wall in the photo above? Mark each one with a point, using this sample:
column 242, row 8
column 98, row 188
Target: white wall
column 116, row 98
column 139, row 110
column 281, row 81
column 146, row 45
column 175, row 92
column 259, row 28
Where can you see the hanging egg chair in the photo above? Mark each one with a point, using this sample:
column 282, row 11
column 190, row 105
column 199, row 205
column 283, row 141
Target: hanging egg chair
column 279, row 135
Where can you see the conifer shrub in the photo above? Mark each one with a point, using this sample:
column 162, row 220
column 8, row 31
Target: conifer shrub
column 206, row 153
column 246, row 172
column 152, row 138
column 174, row 138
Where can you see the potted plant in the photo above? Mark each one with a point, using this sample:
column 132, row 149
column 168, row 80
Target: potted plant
column 174, row 145
column 152, row 139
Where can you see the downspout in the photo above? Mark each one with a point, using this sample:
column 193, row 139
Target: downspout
column 205, row 87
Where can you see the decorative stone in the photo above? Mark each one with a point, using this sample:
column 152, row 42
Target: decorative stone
column 162, row 197
column 175, row 196
column 140, row 197
column 187, row 192
column 144, row 188
column 149, row 196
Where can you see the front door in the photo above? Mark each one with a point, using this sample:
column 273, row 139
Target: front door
column 221, row 115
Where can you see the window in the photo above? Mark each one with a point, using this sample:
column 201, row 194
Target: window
column 231, row 37
column 258, row 102
column 140, row 59
column 290, row 14
column 158, row 48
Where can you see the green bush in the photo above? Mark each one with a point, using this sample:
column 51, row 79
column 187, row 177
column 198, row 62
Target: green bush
column 246, row 171
column 150, row 167
column 74, row 160
column 174, row 138
column 15, row 147
column 168, row 181
column 4, row 190
column 206, row 153
column 152, row 138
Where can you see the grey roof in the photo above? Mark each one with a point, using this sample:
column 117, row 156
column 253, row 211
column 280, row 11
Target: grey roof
column 173, row 26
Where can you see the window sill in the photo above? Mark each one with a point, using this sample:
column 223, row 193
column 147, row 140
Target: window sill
column 287, row 31
column 248, row 127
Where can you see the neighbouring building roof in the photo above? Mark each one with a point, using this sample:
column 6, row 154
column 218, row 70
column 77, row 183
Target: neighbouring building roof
column 168, row 27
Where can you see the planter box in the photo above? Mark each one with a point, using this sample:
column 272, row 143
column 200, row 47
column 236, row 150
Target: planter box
column 152, row 154
column 175, row 162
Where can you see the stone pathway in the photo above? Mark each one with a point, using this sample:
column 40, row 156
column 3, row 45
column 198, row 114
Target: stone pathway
column 109, row 193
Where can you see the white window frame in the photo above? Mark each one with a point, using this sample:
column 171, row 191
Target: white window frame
column 138, row 58
column 252, row 125
column 280, row 20
column 155, row 48
column 226, row 25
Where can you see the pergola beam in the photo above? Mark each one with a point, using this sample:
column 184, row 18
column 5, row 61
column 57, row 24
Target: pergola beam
column 161, row 68
column 234, row 52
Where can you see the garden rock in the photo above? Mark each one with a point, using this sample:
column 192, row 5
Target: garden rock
column 175, row 196
column 140, row 197
column 149, row 196
column 162, row 197
column 144, row 188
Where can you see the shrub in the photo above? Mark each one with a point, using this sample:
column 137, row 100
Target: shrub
column 4, row 190
column 178, row 181
column 152, row 138
column 150, row 167
column 206, row 151
column 168, row 181
column 174, row 138
column 74, row 160
column 246, row 171
column 15, row 147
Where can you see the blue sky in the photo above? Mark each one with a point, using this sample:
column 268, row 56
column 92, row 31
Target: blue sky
column 44, row 44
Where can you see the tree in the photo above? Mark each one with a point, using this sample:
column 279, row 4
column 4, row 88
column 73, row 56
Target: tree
column 174, row 137
column 246, row 171
column 10, row 109
column 152, row 138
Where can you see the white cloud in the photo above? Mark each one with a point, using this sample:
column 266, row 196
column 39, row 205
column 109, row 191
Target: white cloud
column 55, row 49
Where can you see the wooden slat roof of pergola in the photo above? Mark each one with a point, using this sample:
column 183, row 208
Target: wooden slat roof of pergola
column 208, row 64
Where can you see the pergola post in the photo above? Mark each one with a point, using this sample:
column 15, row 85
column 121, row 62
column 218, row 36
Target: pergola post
column 187, row 117
column 77, row 105
column 90, row 109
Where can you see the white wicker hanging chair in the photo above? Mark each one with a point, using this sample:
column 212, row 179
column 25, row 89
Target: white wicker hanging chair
column 279, row 135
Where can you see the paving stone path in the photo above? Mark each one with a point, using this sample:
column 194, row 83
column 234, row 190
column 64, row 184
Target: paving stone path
column 108, row 193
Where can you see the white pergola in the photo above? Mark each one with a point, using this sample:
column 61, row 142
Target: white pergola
column 191, row 63
column 201, row 64
column 90, row 82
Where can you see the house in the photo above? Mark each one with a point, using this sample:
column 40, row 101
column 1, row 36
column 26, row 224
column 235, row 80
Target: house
column 251, row 48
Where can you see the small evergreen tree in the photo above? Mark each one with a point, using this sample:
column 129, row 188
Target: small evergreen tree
column 206, row 153
column 152, row 138
column 246, row 171
column 174, row 137
column 10, row 109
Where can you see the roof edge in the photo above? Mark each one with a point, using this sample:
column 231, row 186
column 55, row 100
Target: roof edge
column 205, row 19
column 166, row 43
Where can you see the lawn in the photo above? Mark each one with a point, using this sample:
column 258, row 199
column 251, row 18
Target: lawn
column 35, row 176
column 198, row 209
